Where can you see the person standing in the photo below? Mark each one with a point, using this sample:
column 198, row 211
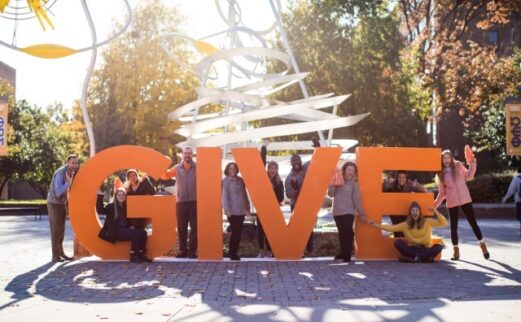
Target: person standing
column 515, row 189
column 453, row 187
column 57, row 206
column 235, row 204
column 293, row 184
column 346, row 204
column 186, row 195
column 278, row 189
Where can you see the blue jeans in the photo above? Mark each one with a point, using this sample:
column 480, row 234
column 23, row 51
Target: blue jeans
column 422, row 252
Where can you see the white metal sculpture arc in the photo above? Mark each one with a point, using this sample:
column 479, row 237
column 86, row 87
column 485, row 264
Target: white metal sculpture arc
column 244, row 99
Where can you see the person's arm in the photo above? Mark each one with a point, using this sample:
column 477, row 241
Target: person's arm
column 471, row 172
column 291, row 192
column 245, row 195
column 394, row 228
column 148, row 187
column 225, row 198
column 441, row 194
column 264, row 154
column 279, row 192
column 510, row 190
column 357, row 199
column 170, row 173
column 331, row 191
column 100, row 208
column 416, row 187
column 441, row 221
column 60, row 187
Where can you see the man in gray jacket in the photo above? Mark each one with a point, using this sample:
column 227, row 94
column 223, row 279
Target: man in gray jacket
column 186, row 195
column 56, row 206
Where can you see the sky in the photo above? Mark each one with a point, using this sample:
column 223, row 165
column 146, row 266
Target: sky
column 43, row 82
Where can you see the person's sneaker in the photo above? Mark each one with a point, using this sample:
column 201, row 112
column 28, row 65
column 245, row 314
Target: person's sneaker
column 134, row 258
column 406, row 259
column 65, row 257
column 144, row 258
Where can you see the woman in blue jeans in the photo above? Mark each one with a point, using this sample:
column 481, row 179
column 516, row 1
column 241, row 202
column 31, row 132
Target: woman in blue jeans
column 417, row 245
column 120, row 227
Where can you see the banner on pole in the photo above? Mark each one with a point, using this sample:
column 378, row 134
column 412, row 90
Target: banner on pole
column 513, row 126
column 3, row 126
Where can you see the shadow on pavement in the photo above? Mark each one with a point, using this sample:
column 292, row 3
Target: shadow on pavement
column 274, row 285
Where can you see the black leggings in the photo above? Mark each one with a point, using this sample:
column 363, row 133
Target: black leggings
column 137, row 237
column 236, row 222
column 344, row 224
column 468, row 211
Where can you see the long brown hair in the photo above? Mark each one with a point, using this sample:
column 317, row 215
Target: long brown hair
column 410, row 220
column 115, row 202
column 452, row 166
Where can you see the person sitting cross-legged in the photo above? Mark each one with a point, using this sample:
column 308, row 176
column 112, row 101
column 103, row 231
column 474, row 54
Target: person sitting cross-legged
column 417, row 245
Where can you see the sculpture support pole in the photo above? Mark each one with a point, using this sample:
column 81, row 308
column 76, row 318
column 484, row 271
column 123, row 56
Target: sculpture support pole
column 293, row 61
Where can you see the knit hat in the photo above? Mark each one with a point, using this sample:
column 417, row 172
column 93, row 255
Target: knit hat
column 414, row 204
column 129, row 171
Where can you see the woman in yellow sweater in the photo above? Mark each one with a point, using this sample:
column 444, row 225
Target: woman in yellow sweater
column 417, row 246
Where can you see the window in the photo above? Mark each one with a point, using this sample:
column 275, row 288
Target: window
column 492, row 37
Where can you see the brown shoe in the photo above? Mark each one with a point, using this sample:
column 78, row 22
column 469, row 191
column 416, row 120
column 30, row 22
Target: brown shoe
column 484, row 250
column 455, row 256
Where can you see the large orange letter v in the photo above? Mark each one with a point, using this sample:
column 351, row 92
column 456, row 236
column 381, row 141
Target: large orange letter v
column 287, row 241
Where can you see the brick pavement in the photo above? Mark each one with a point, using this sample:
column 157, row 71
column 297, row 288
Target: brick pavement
column 235, row 290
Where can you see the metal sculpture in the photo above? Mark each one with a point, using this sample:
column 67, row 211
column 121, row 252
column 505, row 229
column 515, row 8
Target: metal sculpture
column 236, row 85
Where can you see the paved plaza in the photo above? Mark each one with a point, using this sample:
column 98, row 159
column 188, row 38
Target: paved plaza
column 472, row 289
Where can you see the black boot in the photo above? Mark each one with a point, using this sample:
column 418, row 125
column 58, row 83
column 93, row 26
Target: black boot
column 143, row 257
column 134, row 258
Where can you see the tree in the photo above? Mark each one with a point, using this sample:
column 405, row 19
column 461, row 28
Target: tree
column 465, row 78
column 37, row 147
column 354, row 47
column 138, row 85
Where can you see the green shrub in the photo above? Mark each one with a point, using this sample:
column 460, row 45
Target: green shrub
column 485, row 188
column 490, row 188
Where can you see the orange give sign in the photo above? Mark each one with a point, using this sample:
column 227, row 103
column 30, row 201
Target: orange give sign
column 287, row 240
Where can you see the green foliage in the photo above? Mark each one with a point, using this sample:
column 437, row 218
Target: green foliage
column 491, row 187
column 138, row 85
column 37, row 147
column 354, row 47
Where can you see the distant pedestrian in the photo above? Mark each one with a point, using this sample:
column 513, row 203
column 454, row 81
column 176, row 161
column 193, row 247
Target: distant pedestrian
column 514, row 189
column 57, row 205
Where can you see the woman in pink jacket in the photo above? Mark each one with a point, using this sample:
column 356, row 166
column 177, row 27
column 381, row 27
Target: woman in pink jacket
column 453, row 188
